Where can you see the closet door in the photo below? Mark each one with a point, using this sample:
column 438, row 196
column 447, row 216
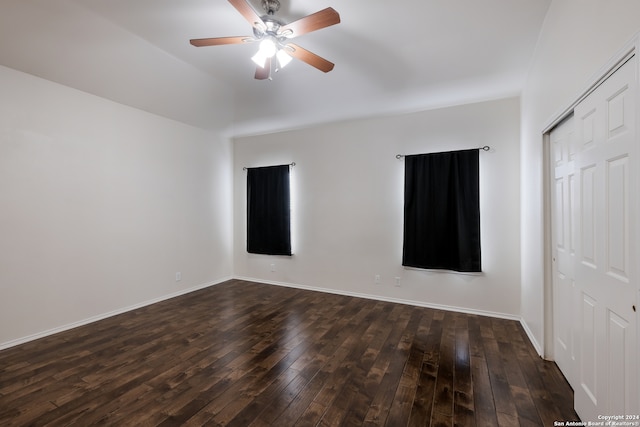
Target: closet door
column 605, row 265
column 564, row 234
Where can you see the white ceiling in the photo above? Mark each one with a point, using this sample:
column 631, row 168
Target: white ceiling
column 390, row 57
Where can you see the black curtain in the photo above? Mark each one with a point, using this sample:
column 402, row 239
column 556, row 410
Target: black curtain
column 268, row 211
column 442, row 211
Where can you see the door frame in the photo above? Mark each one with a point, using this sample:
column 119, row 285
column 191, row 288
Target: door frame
column 630, row 49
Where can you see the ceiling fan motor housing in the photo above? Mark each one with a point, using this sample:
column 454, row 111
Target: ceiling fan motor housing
column 270, row 6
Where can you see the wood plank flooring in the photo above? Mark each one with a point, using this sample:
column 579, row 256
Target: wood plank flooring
column 249, row 354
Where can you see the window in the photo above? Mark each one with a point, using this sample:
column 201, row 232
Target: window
column 442, row 211
column 268, row 210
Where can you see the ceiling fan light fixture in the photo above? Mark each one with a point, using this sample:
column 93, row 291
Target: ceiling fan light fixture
column 283, row 58
column 268, row 47
column 259, row 58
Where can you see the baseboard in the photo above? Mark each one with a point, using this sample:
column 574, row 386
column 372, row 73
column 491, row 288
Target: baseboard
column 532, row 338
column 387, row 299
column 102, row 316
column 92, row 319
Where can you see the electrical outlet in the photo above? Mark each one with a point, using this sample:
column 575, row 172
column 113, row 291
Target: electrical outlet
column 376, row 279
column 178, row 276
column 397, row 282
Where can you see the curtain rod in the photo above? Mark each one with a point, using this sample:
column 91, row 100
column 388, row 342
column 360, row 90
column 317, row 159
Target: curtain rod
column 485, row 148
column 290, row 164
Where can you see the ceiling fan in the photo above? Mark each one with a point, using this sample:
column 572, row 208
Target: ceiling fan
column 274, row 36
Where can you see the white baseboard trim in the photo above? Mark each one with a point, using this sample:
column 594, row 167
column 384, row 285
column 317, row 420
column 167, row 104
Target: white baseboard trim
column 498, row 315
column 532, row 338
column 387, row 299
column 22, row 340
column 102, row 316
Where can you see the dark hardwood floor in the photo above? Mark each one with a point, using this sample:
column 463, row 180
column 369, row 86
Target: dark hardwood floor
column 248, row 354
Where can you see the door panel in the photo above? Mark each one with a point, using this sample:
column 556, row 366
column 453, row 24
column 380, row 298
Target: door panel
column 617, row 378
column 608, row 353
column 587, row 218
column 617, row 214
column 595, row 243
column 588, row 367
column 565, row 307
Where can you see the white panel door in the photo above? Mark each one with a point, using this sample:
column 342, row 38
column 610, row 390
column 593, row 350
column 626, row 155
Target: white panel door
column 564, row 247
column 601, row 190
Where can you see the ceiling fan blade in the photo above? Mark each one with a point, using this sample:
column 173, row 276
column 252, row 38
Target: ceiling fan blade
column 315, row 21
column 309, row 57
column 247, row 11
column 216, row 41
column 263, row 73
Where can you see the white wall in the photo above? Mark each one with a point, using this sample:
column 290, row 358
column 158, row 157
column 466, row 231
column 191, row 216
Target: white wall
column 100, row 205
column 577, row 39
column 348, row 195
